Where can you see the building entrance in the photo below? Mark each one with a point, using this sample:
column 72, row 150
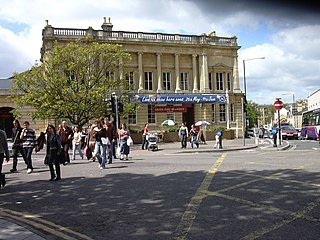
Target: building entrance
column 6, row 119
column 188, row 116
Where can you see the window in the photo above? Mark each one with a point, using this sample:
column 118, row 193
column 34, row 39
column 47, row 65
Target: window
column 171, row 116
column 219, row 81
column 229, row 81
column 184, row 81
column 166, row 80
column 213, row 108
column 210, row 81
column 232, row 112
column 222, row 112
column 130, row 81
column 148, row 80
column 132, row 117
column 151, row 115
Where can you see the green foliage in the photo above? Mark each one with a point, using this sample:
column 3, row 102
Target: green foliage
column 72, row 82
column 252, row 113
column 172, row 130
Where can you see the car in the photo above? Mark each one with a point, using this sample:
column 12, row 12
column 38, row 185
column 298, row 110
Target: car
column 289, row 132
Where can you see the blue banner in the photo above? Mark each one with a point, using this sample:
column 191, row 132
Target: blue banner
column 181, row 98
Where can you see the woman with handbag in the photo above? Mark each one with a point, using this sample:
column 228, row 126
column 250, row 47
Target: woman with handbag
column 53, row 153
column 124, row 148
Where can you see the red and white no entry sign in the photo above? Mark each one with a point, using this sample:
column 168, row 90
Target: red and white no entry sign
column 278, row 105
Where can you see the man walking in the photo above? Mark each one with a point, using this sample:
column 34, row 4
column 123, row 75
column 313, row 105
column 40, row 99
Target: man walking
column 29, row 141
column 4, row 151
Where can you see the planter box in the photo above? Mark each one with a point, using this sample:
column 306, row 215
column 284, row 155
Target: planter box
column 171, row 137
column 136, row 137
column 226, row 134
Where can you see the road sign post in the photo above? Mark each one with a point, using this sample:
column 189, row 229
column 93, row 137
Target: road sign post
column 278, row 104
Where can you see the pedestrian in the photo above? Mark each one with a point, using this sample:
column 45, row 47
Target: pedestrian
column 17, row 145
column 111, row 139
column 91, row 142
column 145, row 137
column 29, row 141
column 100, row 145
column 219, row 132
column 194, row 136
column 4, row 154
column 183, row 135
column 217, row 142
column 124, row 148
column 53, row 150
column 66, row 136
column 261, row 132
column 76, row 143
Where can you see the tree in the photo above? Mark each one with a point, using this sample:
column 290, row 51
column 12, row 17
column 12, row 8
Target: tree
column 252, row 113
column 73, row 82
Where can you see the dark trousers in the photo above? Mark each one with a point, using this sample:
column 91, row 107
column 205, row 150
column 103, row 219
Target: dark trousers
column 28, row 154
column 144, row 142
column 15, row 153
column 58, row 172
column 2, row 176
column 66, row 147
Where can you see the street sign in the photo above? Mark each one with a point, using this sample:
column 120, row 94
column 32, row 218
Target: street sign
column 278, row 105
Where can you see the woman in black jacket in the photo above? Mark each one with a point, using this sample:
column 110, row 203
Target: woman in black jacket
column 54, row 152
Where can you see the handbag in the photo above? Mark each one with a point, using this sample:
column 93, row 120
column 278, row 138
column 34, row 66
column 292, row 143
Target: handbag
column 129, row 141
column 118, row 153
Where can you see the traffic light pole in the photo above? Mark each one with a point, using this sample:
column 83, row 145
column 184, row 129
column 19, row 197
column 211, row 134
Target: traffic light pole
column 116, row 110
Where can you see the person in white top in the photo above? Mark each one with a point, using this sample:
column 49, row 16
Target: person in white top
column 76, row 143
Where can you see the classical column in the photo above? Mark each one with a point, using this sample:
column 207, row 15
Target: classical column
column 194, row 73
column 177, row 72
column 121, row 67
column 140, row 71
column 235, row 76
column 204, row 79
column 159, row 72
column 225, row 79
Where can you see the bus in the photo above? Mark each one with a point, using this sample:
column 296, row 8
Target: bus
column 310, row 124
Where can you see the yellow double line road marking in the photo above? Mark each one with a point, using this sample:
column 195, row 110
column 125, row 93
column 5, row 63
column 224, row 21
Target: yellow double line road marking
column 43, row 225
column 190, row 214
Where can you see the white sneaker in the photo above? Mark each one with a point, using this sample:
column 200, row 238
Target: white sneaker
column 101, row 168
column 29, row 170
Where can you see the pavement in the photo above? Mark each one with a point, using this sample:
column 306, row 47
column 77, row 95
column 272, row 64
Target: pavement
column 9, row 230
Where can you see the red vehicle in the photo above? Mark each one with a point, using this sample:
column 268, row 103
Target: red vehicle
column 289, row 132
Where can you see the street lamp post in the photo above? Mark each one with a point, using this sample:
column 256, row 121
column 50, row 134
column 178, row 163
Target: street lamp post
column 245, row 94
column 293, row 105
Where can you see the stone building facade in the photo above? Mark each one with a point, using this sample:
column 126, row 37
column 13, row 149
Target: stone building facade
column 186, row 78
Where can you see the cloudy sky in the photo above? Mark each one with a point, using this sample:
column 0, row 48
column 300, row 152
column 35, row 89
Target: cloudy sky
column 287, row 34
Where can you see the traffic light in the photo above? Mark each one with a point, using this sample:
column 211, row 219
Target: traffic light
column 113, row 104
column 120, row 107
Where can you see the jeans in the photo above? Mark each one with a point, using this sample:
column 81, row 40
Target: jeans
column 184, row 141
column 194, row 141
column 74, row 148
column 100, row 153
column 28, row 153
column 110, row 151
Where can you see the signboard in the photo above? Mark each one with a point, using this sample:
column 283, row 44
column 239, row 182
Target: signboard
column 169, row 109
column 278, row 105
column 181, row 98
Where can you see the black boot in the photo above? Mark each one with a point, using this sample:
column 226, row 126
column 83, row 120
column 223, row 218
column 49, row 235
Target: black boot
column 3, row 180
